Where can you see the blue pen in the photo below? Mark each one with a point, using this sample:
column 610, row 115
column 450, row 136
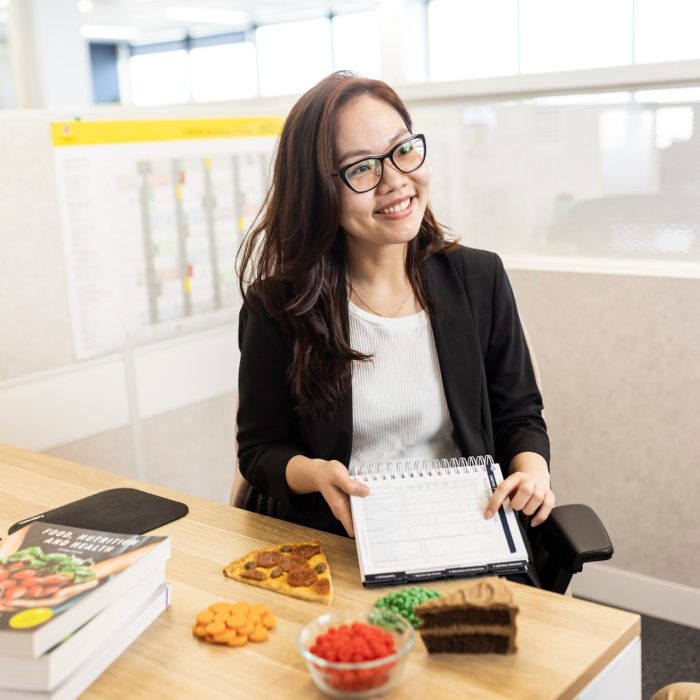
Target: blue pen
column 501, row 511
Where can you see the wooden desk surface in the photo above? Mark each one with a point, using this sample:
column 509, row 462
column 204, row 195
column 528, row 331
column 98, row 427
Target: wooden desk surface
column 563, row 643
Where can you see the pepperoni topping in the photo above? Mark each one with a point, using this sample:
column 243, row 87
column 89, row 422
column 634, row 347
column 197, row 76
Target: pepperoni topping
column 292, row 561
column 307, row 550
column 253, row 574
column 323, row 586
column 302, row 577
column 268, row 559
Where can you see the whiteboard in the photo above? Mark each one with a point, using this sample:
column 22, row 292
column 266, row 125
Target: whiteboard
column 153, row 213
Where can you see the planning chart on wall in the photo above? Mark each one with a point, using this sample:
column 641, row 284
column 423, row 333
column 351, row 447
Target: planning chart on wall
column 152, row 216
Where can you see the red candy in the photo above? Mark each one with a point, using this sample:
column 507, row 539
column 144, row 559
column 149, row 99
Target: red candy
column 354, row 644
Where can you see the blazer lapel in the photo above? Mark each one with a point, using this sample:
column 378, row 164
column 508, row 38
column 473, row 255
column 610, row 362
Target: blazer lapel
column 459, row 355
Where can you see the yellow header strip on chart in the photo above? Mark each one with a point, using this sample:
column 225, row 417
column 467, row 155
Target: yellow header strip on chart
column 78, row 133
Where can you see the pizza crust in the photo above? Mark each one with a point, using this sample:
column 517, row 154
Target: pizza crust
column 237, row 568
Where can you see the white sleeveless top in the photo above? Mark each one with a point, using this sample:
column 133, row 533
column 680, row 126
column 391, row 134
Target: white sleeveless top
column 398, row 401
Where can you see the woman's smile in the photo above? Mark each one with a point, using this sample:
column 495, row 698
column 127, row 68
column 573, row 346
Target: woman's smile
column 399, row 209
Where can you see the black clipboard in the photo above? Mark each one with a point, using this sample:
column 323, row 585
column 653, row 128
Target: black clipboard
column 123, row 510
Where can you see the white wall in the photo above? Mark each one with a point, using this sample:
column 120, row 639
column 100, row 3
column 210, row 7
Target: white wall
column 50, row 57
column 8, row 97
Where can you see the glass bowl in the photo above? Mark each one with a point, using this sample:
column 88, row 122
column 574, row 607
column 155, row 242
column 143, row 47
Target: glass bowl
column 363, row 679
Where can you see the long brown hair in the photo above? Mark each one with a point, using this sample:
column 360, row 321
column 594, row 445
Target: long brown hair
column 294, row 254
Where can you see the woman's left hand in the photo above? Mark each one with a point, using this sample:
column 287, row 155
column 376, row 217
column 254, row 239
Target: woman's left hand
column 527, row 487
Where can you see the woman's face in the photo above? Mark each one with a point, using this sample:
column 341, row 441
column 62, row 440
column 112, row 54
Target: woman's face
column 392, row 212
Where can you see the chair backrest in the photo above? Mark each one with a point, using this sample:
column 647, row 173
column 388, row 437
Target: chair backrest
column 239, row 488
column 533, row 359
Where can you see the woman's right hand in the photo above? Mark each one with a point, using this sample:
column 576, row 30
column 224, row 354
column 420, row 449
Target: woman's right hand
column 331, row 479
column 336, row 486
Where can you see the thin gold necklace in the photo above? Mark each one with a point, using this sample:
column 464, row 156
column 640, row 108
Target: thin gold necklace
column 374, row 311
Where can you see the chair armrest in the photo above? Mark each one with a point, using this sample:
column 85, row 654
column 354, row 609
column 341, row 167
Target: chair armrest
column 574, row 535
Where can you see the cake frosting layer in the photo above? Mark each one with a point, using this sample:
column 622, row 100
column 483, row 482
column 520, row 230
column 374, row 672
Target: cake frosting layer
column 490, row 592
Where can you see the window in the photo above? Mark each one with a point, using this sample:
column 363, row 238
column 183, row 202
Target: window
column 160, row 78
column 666, row 31
column 569, row 34
column 105, row 76
column 293, row 56
column 357, row 43
column 472, row 39
column 223, row 72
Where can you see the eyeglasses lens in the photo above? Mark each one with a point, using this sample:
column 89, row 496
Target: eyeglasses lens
column 407, row 156
column 365, row 175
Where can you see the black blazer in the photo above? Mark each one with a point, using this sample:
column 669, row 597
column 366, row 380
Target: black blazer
column 489, row 382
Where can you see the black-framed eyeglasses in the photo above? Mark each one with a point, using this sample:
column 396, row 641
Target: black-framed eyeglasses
column 364, row 175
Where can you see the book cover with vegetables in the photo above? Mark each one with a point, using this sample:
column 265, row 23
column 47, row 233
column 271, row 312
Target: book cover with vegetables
column 46, row 569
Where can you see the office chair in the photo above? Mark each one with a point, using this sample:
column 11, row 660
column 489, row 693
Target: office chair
column 572, row 535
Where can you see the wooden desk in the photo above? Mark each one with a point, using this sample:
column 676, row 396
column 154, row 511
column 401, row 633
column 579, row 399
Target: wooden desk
column 563, row 643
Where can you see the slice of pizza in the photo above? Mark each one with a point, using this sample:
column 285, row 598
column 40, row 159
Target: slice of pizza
column 297, row 569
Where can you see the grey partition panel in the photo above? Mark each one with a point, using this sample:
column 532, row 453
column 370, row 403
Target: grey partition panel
column 112, row 451
column 201, row 458
column 621, row 384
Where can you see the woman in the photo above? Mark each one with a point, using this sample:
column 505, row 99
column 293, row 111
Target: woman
column 365, row 335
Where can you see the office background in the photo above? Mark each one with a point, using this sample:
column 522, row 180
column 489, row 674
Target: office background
column 565, row 142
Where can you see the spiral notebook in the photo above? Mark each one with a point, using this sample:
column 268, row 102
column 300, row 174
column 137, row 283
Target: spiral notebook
column 425, row 520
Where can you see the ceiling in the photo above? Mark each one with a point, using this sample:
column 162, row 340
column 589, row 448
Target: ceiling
column 152, row 17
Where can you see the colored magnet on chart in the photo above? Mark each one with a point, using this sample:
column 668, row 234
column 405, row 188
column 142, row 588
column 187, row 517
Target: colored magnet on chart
column 178, row 191
column 207, row 163
column 188, row 285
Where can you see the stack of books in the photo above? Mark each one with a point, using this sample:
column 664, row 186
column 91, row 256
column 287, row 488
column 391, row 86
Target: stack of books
column 71, row 601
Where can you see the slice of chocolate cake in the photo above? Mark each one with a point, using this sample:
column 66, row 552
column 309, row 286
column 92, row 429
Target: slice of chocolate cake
column 476, row 619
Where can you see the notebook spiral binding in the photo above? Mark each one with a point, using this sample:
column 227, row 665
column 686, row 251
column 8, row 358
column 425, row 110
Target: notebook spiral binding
column 403, row 469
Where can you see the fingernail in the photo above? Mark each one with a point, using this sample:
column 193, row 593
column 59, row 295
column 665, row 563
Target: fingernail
column 488, row 514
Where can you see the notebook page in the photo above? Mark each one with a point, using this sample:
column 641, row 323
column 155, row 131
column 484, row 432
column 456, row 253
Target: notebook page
column 432, row 522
